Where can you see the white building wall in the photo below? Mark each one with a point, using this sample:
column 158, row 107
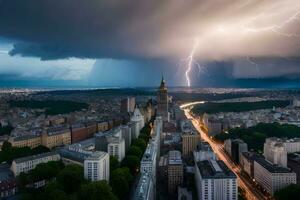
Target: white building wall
column 96, row 170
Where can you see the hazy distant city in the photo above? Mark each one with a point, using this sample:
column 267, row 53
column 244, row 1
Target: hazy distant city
column 154, row 143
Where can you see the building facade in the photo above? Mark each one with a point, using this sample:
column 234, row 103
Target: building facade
column 275, row 152
column 272, row 177
column 189, row 143
column 127, row 105
column 215, row 180
column 137, row 118
column 31, row 141
column 28, row 163
column 175, row 171
column 96, row 166
column 57, row 136
column 116, row 147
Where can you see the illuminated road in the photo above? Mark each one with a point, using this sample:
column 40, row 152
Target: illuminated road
column 252, row 193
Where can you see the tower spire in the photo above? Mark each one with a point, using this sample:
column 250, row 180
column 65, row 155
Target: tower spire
column 162, row 83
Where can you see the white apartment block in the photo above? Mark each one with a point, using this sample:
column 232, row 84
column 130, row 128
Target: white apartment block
column 28, row 163
column 215, row 180
column 272, row 177
column 148, row 162
column 116, row 147
column 139, row 119
column 275, row 151
column 96, row 166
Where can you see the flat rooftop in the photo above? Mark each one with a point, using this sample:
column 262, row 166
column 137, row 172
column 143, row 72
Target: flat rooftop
column 97, row 155
column 272, row 167
column 212, row 169
column 35, row 157
column 174, row 158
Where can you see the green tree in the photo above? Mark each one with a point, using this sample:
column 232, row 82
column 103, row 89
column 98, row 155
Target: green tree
column 121, row 178
column 99, row 190
column 40, row 149
column 133, row 163
column 145, row 137
column 6, row 146
column 70, row 178
column 135, row 151
column 290, row 192
column 140, row 143
column 113, row 163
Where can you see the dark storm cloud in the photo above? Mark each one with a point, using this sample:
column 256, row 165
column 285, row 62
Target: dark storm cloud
column 71, row 28
column 151, row 29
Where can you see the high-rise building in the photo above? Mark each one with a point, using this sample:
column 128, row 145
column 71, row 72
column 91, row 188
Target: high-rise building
column 215, row 181
column 247, row 162
column 96, row 166
column 271, row 176
column 139, row 119
column 175, row 171
column 275, row 152
column 204, row 152
column 189, row 143
column 162, row 101
column 190, row 138
column 127, row 105
column 235, row 148
column 116, row 147
column 126, row 134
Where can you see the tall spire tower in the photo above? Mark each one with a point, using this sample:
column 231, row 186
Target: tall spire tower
column 162, row 100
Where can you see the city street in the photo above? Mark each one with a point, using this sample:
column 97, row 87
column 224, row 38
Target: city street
column 246, row 184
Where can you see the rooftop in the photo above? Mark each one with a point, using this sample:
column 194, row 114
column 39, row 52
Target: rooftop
column 35, row 157
column 273, row 168
column 25, row 137
column 73, row 155
column 97, row 155
column 174, row 158
column 212, row 169
column 143, row 187
column 57, row 130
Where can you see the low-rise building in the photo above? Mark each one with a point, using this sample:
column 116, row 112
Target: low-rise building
column 28, row 163
column 78, row 133
column 31, row 141
column 96, row 166
column 215, row 181
column 102, row 126
column 56, row 136
column 271, row 176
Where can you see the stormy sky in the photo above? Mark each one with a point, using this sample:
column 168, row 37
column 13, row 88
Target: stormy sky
column 232, row 43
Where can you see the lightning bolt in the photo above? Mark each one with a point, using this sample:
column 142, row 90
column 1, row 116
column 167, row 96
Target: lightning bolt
column 276, row 28
column 190, row 62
